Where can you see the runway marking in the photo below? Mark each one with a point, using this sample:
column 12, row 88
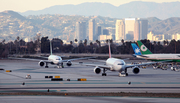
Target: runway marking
column 14, row 75
column 40, row 83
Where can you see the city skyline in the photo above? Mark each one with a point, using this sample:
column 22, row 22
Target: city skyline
column 25, row 5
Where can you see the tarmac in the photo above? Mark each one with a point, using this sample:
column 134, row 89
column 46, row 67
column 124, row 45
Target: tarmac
column 147, row 81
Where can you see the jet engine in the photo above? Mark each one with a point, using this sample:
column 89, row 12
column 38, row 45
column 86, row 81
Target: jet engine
column 97, row 70
column 136, row 70
column 41, row 63
column 68, row 63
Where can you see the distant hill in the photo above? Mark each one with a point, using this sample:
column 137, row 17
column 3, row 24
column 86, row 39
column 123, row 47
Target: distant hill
column 168, row 26
column 133, row 9
column 12, row 14
column 153, row 20
column 12, row 24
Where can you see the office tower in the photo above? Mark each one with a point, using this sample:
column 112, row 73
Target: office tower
column 137, row 30
column 105, row 32
column 140, row 29
column 98, row 31
column 129, row 28
column 120, row 30
column 80, row 31
column 92, row 29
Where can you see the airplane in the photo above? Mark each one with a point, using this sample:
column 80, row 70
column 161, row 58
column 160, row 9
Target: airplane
column 54, row 60
column 145, row 53
column 115, row 64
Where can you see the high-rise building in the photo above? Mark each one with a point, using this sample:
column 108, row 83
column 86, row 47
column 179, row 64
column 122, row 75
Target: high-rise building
column 129, row 28
column 140, row 29
column 105, row 32
column 98, row 31
column 150, row 36
column 80, row 31
column 137, row 30
column 120, row 30
column 92, row 29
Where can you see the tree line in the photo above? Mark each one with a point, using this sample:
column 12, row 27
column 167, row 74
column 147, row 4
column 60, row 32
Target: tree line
column 19, row 46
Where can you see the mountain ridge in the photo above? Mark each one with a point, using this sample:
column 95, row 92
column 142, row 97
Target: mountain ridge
column 138, row 9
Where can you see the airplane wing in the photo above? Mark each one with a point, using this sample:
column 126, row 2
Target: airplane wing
column 23, row 59
column 97, row 65
column 104, row 60
column 47, row 61
column 144, row 64
column 78, row 59
column 97, row 60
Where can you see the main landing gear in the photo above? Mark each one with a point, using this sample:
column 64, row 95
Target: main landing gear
column 123, row 74
column 60, row 66
column 104, row 74
column 46, row 65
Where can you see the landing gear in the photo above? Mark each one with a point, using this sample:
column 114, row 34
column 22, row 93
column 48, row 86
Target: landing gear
column 104, row 74
column 46, row 66
column 62, row 65
column 123, row 74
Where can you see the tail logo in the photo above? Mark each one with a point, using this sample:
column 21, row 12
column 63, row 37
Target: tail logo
column 143, row 48
column 137, row 50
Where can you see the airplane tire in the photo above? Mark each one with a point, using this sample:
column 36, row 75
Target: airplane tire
column 46, row 66
column 103, row 74
column 127, row 74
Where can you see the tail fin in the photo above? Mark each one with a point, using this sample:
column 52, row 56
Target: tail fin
column 136, row 49
column 50, row 47
column 109, row 49
column 143, row 48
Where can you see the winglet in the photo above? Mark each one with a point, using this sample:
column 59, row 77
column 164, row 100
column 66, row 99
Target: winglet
column 143, row 48
column 109, row 49
column 136, row 49
column 50, row 47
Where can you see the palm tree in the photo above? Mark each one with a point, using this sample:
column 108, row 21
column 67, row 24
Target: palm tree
column 164, row 42
column 76, row 40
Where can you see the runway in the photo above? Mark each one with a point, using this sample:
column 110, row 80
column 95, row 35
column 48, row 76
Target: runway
column 147, row 81
column 63, row 99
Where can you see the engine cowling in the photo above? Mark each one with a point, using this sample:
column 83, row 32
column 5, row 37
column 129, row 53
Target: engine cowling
column 97, row 70
column 41, row 63
column 68, row 63
column 136, row 70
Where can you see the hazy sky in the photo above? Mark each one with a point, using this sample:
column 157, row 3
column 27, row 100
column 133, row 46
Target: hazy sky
column 24, row 5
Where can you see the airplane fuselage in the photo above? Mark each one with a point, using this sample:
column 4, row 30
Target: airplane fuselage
column 55, row 59
column 116, row 64
column 161, row 57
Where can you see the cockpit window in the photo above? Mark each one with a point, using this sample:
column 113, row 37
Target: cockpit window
column 57, row 59
column 120, row 63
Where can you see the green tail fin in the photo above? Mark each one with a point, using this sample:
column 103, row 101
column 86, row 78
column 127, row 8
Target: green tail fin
column 143, row 48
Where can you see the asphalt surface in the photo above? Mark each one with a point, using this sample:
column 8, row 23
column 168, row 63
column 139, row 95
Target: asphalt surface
column 63, row 99
column 147, row 81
